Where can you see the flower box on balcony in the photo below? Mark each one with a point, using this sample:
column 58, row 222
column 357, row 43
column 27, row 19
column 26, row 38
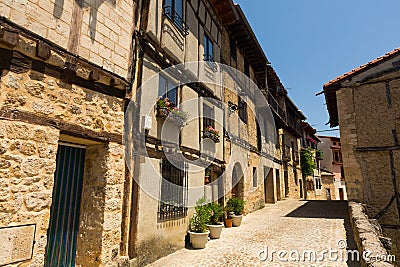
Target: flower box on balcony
column 162, row 112
column 167, row 110
column 211, row 133
column 178, row 116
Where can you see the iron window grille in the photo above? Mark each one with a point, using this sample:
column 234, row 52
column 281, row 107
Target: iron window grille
column 174, row 190
column 178, row 21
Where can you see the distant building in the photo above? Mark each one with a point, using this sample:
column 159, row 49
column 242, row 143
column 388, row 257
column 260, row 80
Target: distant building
column 365, row 103
column 332, row 163
column 312, row 184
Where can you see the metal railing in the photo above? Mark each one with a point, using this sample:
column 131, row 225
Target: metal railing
column 171, row 14
column 275, row 107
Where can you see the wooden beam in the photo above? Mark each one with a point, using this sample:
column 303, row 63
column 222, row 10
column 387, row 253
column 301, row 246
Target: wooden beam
column 64, row 127
column 20, row 63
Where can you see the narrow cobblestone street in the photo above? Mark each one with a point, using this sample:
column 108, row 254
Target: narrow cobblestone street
column 289, row 225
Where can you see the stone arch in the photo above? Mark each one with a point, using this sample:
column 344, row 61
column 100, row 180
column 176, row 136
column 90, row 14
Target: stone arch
column 238, row 181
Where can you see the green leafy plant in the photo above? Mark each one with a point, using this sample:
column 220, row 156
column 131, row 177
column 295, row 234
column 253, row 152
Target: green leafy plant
column 236, row 205
column 228, row 210
column 307, row 162
column 198, row 223
column 216, row 213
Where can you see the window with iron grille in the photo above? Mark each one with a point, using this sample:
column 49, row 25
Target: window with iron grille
column 174, row 189
column 166, row 88
column 173, row 10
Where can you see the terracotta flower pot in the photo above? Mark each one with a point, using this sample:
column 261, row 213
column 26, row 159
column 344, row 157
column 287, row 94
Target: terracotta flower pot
column 237, row 220
column 199, row 240
column 215, row 230
column 228, row 223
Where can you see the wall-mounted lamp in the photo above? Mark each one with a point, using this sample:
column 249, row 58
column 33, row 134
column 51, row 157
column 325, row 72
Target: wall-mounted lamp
column 233, row 107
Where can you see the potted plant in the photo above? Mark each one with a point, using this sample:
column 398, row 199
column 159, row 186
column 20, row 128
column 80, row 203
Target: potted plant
column 163, row 107
column 228, row 216
column 214, row 225
column 237, row 206
column 198, row 225
column 211, row 133
column 207, row 176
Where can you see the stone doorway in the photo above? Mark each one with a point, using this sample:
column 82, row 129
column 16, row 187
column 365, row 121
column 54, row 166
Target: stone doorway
column 269, row 185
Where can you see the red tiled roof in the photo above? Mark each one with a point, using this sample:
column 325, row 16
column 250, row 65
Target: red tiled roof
column 363, row 67
column 331, row 87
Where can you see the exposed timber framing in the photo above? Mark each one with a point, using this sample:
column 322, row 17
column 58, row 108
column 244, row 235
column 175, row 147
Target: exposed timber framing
column 64, row 127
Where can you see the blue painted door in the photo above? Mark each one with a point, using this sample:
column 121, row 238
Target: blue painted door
column 64, row 212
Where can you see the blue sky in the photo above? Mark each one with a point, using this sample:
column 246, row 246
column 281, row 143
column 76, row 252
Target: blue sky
column 310, row 42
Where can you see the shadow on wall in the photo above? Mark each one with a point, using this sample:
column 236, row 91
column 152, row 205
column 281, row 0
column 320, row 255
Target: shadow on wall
column 92, row 4
column 90, row 236
column 154, row 249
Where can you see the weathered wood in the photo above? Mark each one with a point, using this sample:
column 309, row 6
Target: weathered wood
column 9, row 37
column 42, row 50
column 19, row 63
column 64, row 127
column 94, row 75
column 76, row 25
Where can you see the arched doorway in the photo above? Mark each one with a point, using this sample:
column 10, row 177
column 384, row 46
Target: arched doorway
column 237, row 181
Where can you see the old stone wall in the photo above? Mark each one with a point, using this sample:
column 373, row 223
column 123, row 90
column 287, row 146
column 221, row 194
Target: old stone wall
column 348, row 133
column 368, row 236
column 369, row 172
column 27, row 165
column 28, row 157
column 99, row 31
column 101, row 206
column 46, row 96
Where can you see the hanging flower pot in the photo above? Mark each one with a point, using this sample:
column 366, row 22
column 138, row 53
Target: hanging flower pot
column 211, row 133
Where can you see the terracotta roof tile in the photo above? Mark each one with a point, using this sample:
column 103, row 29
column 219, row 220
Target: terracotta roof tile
column 362, row 67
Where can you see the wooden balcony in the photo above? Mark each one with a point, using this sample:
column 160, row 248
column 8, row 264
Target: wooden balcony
column 296, row 157
column 275, row 107
column 286, row 155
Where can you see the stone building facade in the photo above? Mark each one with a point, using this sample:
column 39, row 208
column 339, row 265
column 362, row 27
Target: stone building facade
column 65, row 74
column 313, row 184
column 332, row 163
column 286, row 170
column 84, row 141
column 365, row 104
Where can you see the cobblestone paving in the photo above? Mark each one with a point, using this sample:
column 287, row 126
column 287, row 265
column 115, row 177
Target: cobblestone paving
column 289, row 225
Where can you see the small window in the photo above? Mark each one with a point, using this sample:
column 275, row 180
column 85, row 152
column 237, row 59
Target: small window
column 208, row 116
column 233, row 49
column 318, row 184
column 208, row 49
column 168, row 89
column 254, row 177
column 337, row 156
column 242, row 109
column 173, row 9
